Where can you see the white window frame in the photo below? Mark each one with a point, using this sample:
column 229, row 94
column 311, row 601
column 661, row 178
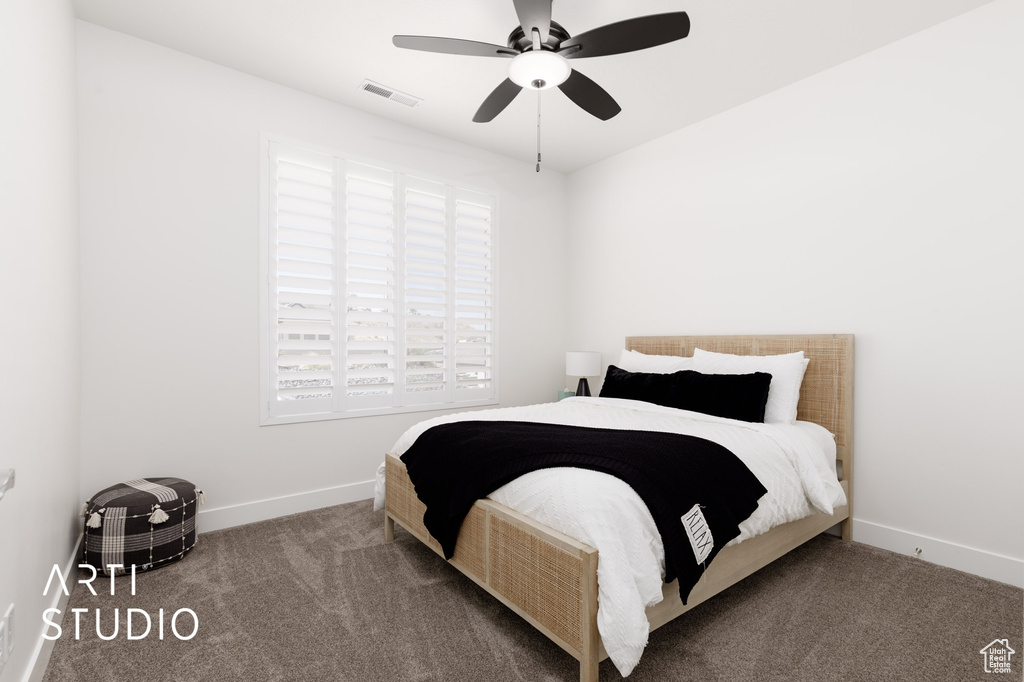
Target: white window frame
column 273, row 411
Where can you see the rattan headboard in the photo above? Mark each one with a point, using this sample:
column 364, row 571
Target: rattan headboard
column 826, row 396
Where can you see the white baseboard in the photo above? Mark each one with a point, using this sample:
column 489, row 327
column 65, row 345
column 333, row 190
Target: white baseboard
column 261, row 510
column 968, row 559
column 40, row 658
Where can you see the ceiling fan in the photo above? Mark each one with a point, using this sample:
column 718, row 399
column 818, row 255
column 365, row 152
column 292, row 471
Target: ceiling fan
column 540, row 49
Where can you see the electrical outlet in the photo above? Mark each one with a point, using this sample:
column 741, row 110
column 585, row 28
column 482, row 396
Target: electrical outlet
column 9, row 620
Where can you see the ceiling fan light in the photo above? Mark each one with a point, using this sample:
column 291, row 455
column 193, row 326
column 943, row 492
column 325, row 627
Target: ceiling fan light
column 543, row 66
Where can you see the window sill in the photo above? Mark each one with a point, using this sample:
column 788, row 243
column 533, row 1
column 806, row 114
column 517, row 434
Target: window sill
column 266, row 420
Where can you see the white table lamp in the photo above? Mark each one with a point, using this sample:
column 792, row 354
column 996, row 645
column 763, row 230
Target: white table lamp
column 582, row 364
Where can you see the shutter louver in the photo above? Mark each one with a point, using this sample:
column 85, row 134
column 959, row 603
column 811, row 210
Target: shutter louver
column 474, row 296
column 302, row 280
column 371, row 287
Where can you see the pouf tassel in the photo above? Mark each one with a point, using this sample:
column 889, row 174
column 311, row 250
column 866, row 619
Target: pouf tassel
column 85, row 509
column 95, row 520
column 158, row 515
column 200, row 496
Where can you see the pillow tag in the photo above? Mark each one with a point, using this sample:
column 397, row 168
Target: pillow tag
column 700, row 535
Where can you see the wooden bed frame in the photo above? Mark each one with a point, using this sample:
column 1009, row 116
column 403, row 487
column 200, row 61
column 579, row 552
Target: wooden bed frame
column 550, row 579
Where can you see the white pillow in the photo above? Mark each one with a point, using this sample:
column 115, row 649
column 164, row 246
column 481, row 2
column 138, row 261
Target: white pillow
column 787, row 374
column 634, row 361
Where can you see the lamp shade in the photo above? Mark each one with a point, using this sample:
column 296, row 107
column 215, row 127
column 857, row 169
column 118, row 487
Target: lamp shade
column 582, row 363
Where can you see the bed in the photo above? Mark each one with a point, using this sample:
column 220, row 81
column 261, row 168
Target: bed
column 550, row 579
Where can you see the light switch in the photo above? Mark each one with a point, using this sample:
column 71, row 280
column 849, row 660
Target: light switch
column 9, row 622
column 6, row 481
column 3, row 644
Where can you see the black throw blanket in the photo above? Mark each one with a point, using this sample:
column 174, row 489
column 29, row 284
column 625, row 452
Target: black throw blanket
column 697, row 491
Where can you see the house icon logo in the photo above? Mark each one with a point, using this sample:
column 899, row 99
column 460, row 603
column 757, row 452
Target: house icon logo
column 997, row 656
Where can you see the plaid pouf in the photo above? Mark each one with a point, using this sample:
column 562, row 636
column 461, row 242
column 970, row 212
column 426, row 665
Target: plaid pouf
column 148, row 522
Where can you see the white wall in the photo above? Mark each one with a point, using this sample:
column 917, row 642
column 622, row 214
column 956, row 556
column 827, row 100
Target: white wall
column 884, row 198
column 169, row 228
column 39, row 403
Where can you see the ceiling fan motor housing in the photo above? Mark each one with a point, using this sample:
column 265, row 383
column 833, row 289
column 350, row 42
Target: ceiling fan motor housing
column 520, row 42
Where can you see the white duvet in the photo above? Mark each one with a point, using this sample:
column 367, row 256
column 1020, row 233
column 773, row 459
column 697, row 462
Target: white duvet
column 796, row 463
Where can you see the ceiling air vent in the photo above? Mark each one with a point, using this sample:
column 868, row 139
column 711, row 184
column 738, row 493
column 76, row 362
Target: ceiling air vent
column 389, row 93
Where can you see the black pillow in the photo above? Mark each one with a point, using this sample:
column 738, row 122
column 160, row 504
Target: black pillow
column 734, row 396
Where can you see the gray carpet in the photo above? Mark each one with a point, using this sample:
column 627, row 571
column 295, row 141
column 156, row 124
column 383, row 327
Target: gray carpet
column 318, row 596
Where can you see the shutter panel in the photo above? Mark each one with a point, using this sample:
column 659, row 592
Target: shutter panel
column 425, row 287
column 474, row 314
column 371, row 288
column 380, row 290
column 301, row 280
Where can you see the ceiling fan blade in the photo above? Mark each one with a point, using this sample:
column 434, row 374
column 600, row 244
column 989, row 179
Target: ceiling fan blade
column 590, row 96
column 496, row 102
column 627, row 36
column 452, row 46
column 534, row 14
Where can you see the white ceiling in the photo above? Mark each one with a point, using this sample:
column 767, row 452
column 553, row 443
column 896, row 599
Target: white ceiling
column 737, row 50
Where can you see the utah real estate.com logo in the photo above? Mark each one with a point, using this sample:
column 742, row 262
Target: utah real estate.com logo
column 997, row 656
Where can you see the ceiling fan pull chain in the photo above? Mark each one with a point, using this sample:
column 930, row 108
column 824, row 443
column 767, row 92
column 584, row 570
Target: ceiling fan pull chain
column 538, row 131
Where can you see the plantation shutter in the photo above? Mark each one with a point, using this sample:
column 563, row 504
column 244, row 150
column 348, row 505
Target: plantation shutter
column 474, row 276
column 371, row 288
column 380, row 290
column 301, row 281
column 425, row 268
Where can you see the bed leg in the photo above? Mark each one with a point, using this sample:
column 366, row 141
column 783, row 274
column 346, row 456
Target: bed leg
column 389, row 528
column 846, row 528
column 590, row 635
column 588, row 669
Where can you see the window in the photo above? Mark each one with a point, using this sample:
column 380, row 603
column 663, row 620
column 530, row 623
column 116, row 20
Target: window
column 379, row 289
